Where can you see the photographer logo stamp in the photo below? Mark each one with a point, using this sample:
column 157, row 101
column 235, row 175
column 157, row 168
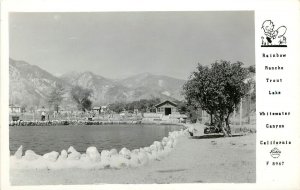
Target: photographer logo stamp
column 273, row 37
column 275, row 152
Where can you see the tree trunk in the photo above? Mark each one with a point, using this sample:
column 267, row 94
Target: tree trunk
column 56, row 108
column 223, row 129
column 227, row 125
column 220, row 124
column 211, row 119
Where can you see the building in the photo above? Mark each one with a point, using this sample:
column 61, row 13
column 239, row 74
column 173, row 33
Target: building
column 14, row 109
column 104, row 109
column 97, row 109
column 166, row 108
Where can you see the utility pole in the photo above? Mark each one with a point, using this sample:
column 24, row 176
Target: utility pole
column 241, row 111
column 250, row 108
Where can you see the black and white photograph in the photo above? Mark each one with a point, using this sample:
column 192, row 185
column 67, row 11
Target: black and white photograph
column 136, row 97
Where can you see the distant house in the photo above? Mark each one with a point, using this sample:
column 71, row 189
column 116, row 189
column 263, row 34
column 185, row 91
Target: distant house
column 104, row 109
column 14, row 109
column 166, row 108
column 97, row 109
column 100, row 109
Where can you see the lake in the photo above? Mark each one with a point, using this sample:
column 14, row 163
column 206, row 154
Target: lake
column 56, row 138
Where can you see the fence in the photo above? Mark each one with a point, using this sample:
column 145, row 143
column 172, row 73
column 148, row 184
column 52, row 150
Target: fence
column 36, row 116
column 245, row 113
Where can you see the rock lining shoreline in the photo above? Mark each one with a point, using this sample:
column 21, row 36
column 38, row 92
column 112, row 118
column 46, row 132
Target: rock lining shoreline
column 85, row 122
column 69, row 122
column 93, row 159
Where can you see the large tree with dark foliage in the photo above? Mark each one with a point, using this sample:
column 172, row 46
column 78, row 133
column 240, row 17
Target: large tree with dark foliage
column 217, row 90
column 82, row 97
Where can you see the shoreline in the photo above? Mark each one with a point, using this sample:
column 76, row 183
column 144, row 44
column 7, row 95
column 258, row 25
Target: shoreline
column 217, row 160
column 92, row 159
column 86, row 122
column 184, row 151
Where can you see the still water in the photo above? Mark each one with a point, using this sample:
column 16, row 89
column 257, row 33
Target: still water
column 56, row 138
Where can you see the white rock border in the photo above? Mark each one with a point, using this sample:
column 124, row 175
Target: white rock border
column 92, row 159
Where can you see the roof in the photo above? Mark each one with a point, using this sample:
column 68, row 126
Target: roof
column 166, row 102
column 97, row 108
column 14, row 106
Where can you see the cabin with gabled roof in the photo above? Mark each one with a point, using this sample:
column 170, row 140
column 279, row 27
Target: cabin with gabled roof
column 166, row 108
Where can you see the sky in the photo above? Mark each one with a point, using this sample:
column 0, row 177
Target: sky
column 121, row 44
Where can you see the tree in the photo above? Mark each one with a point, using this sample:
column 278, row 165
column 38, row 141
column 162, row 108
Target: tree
column 251, row 69
column 23, row 108
column 192, row 113
column 182, row 107
column 217, row 90
column 117, row 107
column 56, row 96
column 142, row 105
column 82, row 97
column 198, row 91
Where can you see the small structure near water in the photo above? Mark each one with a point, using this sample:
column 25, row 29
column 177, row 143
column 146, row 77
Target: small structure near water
column 166, row 113
column 14, row 109
column 166, row 108
column 97, row 109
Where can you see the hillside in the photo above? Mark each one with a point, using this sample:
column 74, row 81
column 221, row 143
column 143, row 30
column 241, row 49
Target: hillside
column 30, row 86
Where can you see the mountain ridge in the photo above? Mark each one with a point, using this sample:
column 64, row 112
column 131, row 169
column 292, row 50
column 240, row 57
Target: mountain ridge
column 30, row 85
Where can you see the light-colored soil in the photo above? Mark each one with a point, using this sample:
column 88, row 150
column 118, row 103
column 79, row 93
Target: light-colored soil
column 193, row 160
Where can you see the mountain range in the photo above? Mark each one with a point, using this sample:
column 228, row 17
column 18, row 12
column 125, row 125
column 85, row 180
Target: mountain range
column 30, row 86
